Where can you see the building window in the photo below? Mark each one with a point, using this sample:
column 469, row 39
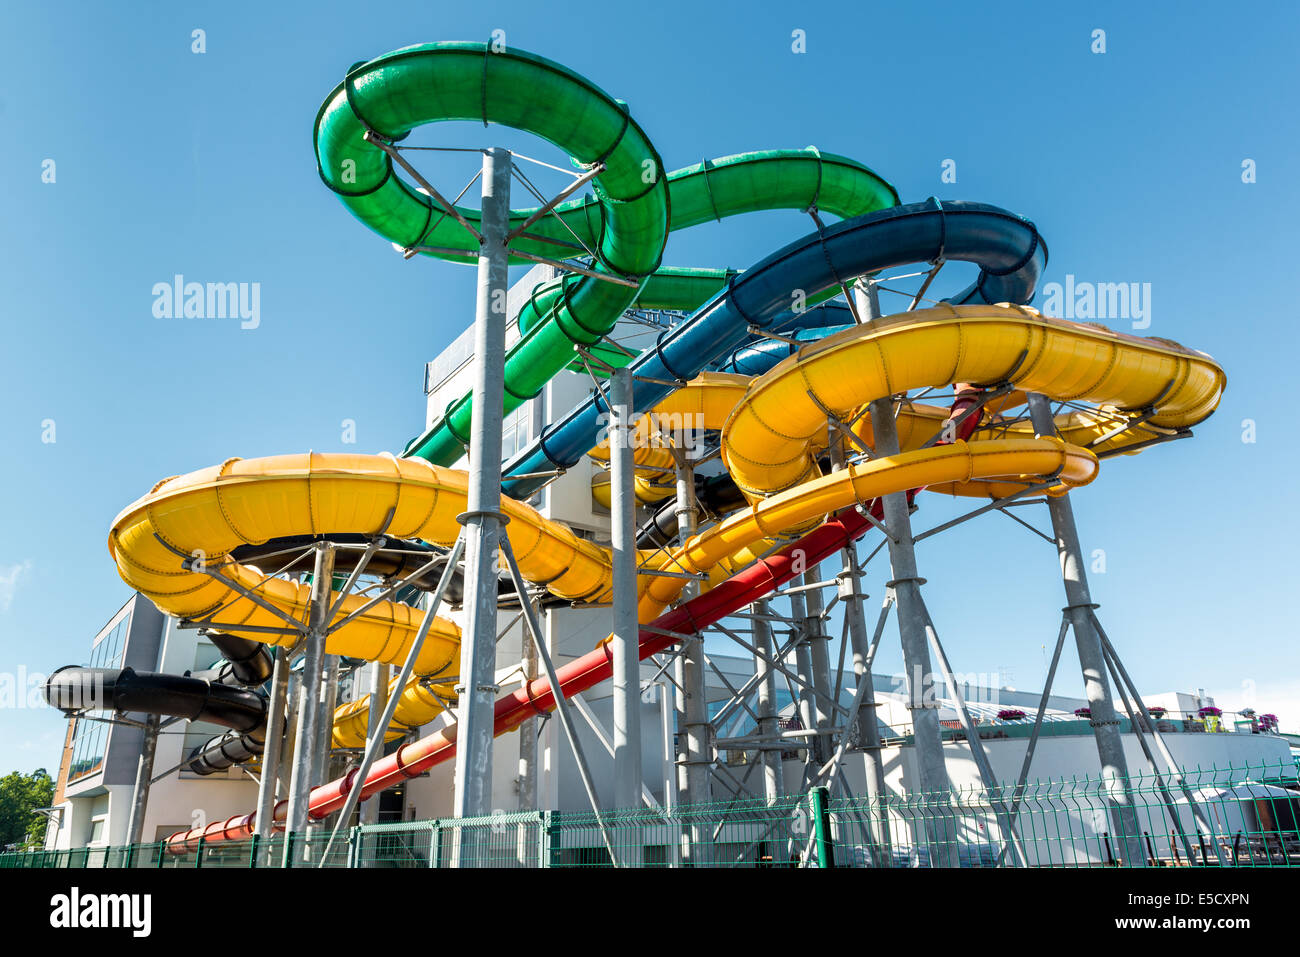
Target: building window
column 516, row 430
column 90, row 738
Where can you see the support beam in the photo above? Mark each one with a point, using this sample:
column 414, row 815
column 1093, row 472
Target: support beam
column 288, row 752
column 274, row 749
column 309, row 688
column 806, row 689
column 379, row 681
column 819, row 655
column 143, row 778
column 866, row 729
column 325, row 704
column 932, row 774
column 867, row 298
column 375, row 742
column 526, row 782
column 768, row 720
column 644, row 795
column 694, row 730
column 627, row 660
column 561, row 702
column 1104, row 721
column 692, row 707
column 482, row 519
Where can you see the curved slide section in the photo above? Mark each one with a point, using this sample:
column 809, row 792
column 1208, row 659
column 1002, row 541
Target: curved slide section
column 769, row 441
column 181, row 544
column 74, row 689
column 1080, row 349
column 1007, row 248
column 213, row 511
column 626, row 225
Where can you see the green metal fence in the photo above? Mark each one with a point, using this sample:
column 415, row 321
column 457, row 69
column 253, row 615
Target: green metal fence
column 1220, row 817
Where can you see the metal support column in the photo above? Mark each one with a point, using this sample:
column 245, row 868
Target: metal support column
column 627, row 662
column 768, row 721
column 867, row 299
column 325, row 704
column 561, row 702
column 867, row 726
column 806, row 694
column 819, row 652
column 482, row 519
column 379, row 681
column 692, row 707
column 309, row 689
column 694, row 738
column 1104, row 721
column 527, row 780
column 932, row 774
column 273, row 750
column 289, row 749
column 375, row 742
column 143, row 778
column 911, row 614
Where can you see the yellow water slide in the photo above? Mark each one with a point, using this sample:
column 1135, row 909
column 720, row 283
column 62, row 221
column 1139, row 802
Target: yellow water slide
column 174, row 544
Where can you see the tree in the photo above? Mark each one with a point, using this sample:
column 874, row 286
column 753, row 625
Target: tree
column 20, row 795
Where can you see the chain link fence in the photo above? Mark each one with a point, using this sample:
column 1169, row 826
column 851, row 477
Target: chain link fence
column 1221, row 817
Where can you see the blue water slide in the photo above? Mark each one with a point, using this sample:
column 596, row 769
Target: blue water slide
column 1008, row 249
column 756, row 355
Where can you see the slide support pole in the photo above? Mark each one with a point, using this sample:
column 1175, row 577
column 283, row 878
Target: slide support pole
column 867, row 299
column 819, row 649
column 143, row 778
column 693, row 785
column 379, row 680
column 806, row 693
column 375, row 740
column 924, row 708
column 482, row 519
column 325, row 720
column 1104, row 721
column 274, row 748
column 561, row 703
column 309, row 689
column 867, row 729
column 527, row 781
column 768, row 727
column 626, row 631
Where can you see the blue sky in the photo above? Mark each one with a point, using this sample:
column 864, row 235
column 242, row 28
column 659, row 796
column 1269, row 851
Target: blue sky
column 168, row 161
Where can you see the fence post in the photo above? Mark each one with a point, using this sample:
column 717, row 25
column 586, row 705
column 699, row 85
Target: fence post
column 550, row 840
column 822, row 824
column 253, row 850
column 435, row 845
column 198, row 857
column 354, row 845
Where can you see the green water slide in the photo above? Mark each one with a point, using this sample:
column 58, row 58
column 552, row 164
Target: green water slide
column 625, row 224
